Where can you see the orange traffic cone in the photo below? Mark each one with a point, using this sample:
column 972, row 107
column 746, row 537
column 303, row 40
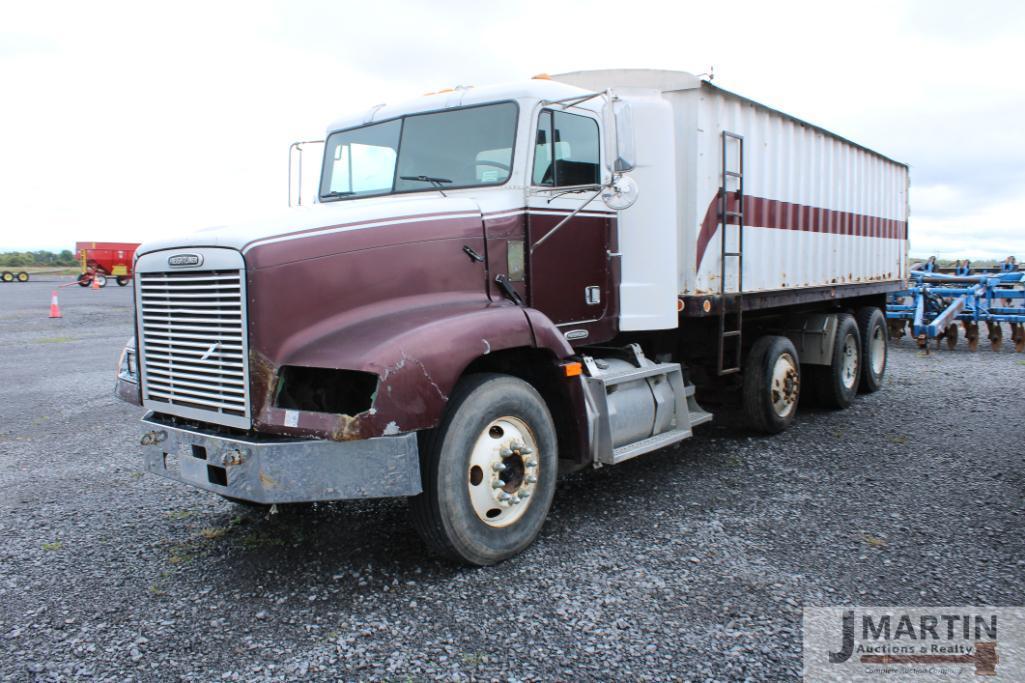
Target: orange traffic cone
column 96, row 282
column 55, row 310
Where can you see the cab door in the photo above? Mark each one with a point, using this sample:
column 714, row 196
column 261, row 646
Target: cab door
column 572, row 274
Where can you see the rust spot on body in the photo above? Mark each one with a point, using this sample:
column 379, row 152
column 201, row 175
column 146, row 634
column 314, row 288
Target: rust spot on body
column 346, row 430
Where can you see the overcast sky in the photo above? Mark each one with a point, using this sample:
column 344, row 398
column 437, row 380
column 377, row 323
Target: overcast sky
column 126, row 121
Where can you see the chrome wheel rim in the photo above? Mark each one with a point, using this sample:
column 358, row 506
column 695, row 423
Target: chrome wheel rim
column 877, row 347
column 503, row 471
column 785, row 386
column 849, row 368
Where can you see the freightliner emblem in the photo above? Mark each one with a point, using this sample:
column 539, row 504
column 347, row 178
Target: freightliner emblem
column 185, row 260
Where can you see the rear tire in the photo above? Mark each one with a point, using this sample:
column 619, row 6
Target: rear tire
column 772, row 384
column 123, row 280
column 7, row 276
column 84, row 280
column 101, row 279
column 874, row 345
column 835, row 385
column 22, row 276
column 496, row 431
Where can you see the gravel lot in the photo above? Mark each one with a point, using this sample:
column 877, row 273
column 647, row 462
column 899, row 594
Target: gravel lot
column 693, row 563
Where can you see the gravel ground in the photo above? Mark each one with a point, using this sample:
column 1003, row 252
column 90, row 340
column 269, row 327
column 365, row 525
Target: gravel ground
column 692, row 563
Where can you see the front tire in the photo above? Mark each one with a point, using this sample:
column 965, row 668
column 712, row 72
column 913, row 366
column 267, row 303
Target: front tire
column 7, row 276
column 123, row 280
column 772, row 384
column 23, row 276
column 488, row 472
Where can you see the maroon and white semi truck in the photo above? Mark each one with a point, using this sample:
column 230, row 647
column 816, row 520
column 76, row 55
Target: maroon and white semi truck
column 499, row 284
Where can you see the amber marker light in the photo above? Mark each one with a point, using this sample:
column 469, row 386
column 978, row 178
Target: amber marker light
column 573, row 369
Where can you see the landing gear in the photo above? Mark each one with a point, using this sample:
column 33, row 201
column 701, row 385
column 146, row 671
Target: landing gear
column 488, row 472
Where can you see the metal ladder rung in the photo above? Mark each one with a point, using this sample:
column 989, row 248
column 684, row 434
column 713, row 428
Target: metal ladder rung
column 731, row 253
column 732, row 174
column 731, row 333
column 735, row 214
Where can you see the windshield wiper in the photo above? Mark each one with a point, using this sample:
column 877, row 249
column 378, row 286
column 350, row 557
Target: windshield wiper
column 426, row 179
column 436, row 182
column 336, row 193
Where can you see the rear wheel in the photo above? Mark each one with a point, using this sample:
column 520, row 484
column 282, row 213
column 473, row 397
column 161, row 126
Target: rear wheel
column 772, row 384
column 488, row 472
column 835, row 385
column 123, row 280
column 101, row 279
column 22, row 276
column 872, row 328
column 7, row 276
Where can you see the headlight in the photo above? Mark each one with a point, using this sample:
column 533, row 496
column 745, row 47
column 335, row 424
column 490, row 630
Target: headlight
column 127, row 368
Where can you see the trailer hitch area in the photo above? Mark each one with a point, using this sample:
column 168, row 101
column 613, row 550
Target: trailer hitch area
column 154, row 437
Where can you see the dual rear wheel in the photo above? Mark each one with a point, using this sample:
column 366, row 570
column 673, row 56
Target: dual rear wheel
column 774, row 377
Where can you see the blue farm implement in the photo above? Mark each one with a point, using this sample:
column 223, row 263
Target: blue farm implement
column 936, row 302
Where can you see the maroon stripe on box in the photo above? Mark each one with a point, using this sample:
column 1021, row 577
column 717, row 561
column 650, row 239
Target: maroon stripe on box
column 771, row 213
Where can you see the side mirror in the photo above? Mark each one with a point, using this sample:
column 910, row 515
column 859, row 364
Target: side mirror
column 625, row 155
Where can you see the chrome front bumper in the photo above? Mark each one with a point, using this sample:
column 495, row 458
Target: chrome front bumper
column 281, row 470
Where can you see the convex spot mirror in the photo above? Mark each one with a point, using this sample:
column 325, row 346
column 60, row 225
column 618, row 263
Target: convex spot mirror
column 620, row 194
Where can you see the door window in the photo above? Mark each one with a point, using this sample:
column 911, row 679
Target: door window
column 566, row 150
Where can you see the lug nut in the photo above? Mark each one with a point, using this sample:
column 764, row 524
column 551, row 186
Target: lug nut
column 505, row 452
column 498, row 484
column 526, row 451
column 524, row 495
column 499, row 467
column 531, row 480
column 530, row 464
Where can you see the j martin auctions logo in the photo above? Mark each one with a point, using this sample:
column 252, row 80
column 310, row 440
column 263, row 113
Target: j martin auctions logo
column 910, row 644
column 893, row 650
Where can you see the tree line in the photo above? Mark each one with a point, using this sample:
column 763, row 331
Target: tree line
column 20, row 259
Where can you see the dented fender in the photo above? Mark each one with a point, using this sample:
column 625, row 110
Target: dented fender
column 418, row 355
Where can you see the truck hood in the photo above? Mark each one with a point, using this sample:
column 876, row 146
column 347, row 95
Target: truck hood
column 320, row 219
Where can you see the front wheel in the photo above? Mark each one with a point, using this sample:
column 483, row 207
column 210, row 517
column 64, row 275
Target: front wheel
column 123, row 280
column 23, row 276
column 488, row 472
column 7, row 276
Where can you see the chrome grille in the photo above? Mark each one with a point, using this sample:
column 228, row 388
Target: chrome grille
column 193, row 351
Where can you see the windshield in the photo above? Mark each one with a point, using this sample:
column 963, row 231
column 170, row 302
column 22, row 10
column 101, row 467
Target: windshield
column 454, row 148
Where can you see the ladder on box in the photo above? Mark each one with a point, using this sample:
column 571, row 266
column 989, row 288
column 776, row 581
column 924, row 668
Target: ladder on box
column 731, row 308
